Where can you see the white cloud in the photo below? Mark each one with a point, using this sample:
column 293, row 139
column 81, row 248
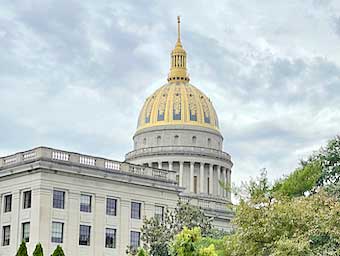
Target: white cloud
column 73, row 74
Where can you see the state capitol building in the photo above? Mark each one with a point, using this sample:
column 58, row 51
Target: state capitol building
column 94, row 206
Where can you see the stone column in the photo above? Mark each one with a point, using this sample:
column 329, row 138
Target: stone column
column 150, row 164
column 71, row 226
column 125, row 221
column 181, row 167
column 159, row 165
column 170, row 165
column 99, row 224
column 192, row 177
column 211, row 179
column 15, row 222
column 226, row 181
column 218, row 180
column 201, row 177
column 229, row 183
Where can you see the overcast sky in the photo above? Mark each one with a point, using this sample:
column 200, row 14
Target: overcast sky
column 74, row 74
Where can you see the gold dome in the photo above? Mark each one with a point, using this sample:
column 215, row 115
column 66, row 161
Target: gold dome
column 178, row 103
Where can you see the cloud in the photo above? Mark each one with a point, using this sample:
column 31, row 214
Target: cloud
column 74, row 74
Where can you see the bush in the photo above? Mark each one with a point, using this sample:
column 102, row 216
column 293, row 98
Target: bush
column 38, row 251
column 58, row 251
column 22, row 249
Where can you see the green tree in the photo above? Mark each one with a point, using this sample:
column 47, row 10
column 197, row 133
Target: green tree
column 58, row 251
column 187, row 243
column 281, row 225
column 38, row 251
column 157, row 234
column 22, row 251
column 302, row 180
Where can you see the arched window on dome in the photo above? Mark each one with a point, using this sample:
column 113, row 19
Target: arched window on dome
column 194, row 140
column 209, row 142
column 144, row 141
column 159, row 139
column 176, row 138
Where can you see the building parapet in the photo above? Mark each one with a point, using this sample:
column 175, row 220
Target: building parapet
column 191, row 150
column 208, row 202
column 57, row 155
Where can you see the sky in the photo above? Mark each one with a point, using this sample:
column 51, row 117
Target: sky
column 74, row 74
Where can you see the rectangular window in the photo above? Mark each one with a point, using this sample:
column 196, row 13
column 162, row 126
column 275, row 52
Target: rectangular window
column 159, row 212
column 27, row 199
column 6, row 235
column 84, row 235
column 110, row 238
column 177, row 179
column 195, row 184
column 134, row 239
column 85, row 203
column 111, row 206
column 26, row 232
column 208, row 185
column 7, row 203
column 57, row 232
column 58, row 199
column 136, row 210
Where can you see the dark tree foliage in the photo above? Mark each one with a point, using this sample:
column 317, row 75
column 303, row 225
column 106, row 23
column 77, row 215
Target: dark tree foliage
column 58, row 251
column 22, row 249
column 38, row 251
column 157, row 234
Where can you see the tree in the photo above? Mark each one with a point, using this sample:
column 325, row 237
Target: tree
column 22, row 251
column 281, row 225
column 187, row 243
column 157, row 234
column 58, row 251
column 302, row 180
column 38, row 251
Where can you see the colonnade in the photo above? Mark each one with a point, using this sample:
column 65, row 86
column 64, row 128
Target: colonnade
column 202, row 181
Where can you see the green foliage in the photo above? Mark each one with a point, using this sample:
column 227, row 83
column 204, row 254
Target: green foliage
column 302, row 180
column 38, row 251
column 329, row 158
column 22, row 251
column 157, row 234
column 58, row 251
column 187, row 243
column 284, row 225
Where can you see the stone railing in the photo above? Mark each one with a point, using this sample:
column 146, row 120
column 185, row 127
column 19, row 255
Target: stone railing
column 55, row 155
column 201, row 151
column 211, row 203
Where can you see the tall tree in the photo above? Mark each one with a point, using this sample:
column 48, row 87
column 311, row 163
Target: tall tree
column 22, row 251
column 157, row 233
column 302, row 225
column 38, row 251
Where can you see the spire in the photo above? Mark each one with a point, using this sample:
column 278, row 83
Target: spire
column 178, row 70
column 178, row 30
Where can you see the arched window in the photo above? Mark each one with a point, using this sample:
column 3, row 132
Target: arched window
column 194, row 139
column 209, row 142
column 144, row 141
column 159, row 138
column 176, row 138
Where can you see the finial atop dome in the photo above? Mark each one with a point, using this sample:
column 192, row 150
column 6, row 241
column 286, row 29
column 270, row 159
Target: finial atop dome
column 178, row 69
column 178, row 29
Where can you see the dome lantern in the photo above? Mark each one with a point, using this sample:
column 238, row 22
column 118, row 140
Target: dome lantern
column 178, row 69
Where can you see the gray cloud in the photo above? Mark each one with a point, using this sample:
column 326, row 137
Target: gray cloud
column 74, row 74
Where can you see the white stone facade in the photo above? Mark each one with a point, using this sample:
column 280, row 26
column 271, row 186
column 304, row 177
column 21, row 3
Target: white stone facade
column 196, row 155
column 43, row 171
